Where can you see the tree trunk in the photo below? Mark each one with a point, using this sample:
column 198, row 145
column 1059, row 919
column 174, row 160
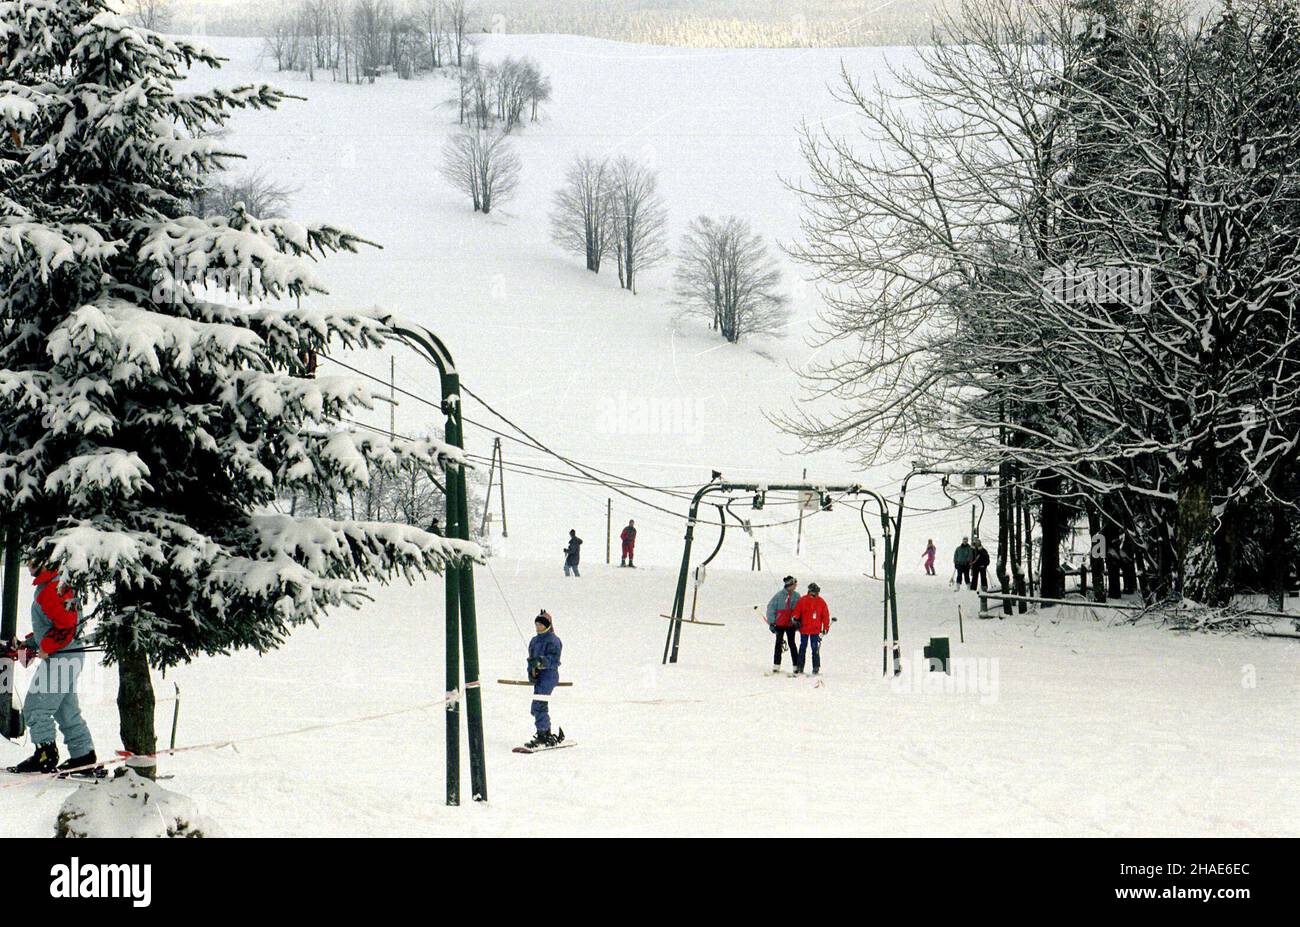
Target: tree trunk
column 1198, row 558
column 1114, row 552
column 1278, row 544
column 1050, row 579
column 135, row 708
column 1096, row 544
column 1128, row 563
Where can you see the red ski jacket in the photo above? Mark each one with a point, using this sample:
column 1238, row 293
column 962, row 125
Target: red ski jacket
column 812, row 614
column 52, row 603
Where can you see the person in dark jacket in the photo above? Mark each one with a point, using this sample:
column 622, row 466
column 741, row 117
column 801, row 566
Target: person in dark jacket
column 961, row 559
column 979, row 566
column 571, row 553
column 56, row 646
column 544, row 673
column 628, row 537
column 780, row 618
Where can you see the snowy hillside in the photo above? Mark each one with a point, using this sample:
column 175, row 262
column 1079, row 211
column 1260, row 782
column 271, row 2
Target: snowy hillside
column 610, row 379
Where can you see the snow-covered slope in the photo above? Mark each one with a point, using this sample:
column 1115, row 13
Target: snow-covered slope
column 1063, row 725
column 602, row 376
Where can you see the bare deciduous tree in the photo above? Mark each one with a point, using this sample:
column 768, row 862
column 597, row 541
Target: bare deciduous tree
column 726, row 275
column 260, row 196
column 152, row 14
column 637, row 219
column 457, row 25
column 580, row 219
column 482, row 164
column 1074, row 258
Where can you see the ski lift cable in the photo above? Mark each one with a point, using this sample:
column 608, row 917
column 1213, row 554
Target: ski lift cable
column 588, row 471
column 576, row 466
column 677, row 491
column 506, row 601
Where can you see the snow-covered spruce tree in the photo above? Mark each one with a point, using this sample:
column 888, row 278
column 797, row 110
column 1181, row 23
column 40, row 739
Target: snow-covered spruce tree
column 146, row 431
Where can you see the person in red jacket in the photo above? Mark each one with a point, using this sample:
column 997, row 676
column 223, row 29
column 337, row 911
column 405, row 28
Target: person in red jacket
column 56, row 647
column 813, row 616
column 628, row 537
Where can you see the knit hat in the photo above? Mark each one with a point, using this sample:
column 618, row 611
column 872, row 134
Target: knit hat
column 543, row 617
column 814, row 588
column 789, row 581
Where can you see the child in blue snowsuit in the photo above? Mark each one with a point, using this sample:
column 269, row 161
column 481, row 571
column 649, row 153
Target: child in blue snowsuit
column 544, row 673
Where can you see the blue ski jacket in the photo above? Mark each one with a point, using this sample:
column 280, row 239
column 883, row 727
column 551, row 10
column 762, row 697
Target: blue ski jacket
column 544, row 653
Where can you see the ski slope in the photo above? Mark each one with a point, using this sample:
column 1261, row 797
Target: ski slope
column 1067, row 726
column 1077, row 727
column 613, row 380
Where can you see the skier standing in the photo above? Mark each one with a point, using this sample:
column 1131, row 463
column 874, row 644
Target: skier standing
column 979, row 566
column 961, row 559
column 813, row 616
column 544, row 673
column 628, row 537
column 930, row 551
column 780, row 618
column 571, row 553
column 55, row 645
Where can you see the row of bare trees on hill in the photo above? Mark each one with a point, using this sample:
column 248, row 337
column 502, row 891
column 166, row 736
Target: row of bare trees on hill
column 357, row 40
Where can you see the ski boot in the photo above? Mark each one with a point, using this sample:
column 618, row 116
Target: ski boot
column 82, row 767
column 540, row 739
column 44, row 760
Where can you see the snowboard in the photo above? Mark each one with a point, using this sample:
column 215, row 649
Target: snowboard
column 559, row 746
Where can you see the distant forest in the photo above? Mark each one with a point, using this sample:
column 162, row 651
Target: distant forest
column 689, row 23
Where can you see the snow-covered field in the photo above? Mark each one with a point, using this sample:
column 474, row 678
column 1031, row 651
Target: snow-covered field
column 1068, row 725
column 1062, row 726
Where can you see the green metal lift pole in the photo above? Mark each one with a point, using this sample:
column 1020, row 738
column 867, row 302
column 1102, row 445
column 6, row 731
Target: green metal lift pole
column 461, row 625
column 679, row 597
column 884, row 610
column 893, row 570
column 469, row 624
column 451, row 629
column 9, row 627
